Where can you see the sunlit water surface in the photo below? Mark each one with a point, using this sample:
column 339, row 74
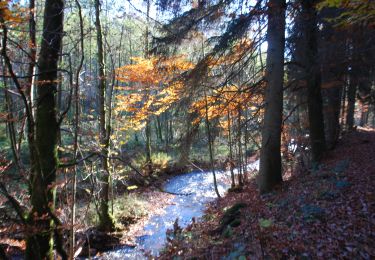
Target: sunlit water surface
column 197, row 189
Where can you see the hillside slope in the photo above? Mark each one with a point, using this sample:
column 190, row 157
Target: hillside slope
column 323, row 214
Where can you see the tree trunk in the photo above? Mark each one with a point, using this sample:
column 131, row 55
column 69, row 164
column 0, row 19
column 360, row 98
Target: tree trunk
column 351, row 101
column 76, row 131
column 231, row 163
column 31, row 69
column 332, row 115
column 210, row 150
column 270, row 158
column 10, row 122
column 187, row 139
column 313, row 80
column 40, row 244
column 159, row 129
column 148, row 123
column 239, row 135
column 364, row 114
column 332, row 49
column 106, row 222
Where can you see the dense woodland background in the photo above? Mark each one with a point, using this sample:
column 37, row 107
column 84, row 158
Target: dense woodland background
column 101, row 98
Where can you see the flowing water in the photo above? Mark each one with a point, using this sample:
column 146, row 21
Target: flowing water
column 195, row 189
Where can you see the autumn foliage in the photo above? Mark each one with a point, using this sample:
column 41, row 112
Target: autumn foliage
column 12, row 13
column 153, row 85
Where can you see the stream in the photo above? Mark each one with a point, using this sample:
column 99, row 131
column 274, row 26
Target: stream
column 196, row 189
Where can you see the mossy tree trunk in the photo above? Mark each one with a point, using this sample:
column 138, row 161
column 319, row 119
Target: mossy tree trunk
column 44, row 164
column 106, row 222
column 270, row 158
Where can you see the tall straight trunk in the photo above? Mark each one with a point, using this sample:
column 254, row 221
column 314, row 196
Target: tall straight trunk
column 40, row 244
column 59, row 94
column 240, row 162
column 148, row 146
column 343, row 101
column 270, row 158
column 233, row 184
column 332, row 47
column 351, row 101
column 77, row 127
column 31, row 69
column 246, row 139
column 356, row 76
column 364, row 114
column 170, row 130
column 210, row 150
column 166, row 130
column 332, row 115
column 29, row 93
column 10, row 122
column 158, row 129
column 148, row 123
column 313, row 79
column 106, row 222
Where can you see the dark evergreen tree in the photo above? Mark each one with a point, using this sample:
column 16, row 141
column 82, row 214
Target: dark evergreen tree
column 270, row 172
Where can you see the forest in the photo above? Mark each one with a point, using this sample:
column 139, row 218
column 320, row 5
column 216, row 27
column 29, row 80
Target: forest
column 187, row 129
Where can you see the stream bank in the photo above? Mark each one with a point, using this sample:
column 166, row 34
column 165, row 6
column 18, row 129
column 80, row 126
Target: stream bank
column 195, row 190
column 322, row 213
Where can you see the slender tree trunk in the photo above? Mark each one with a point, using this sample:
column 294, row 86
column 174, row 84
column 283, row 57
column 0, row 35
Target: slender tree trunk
column 77, row 128
column 31, row 69
column 106, row 222
column 246, row 139
column 158, row 129
column 148, row 126
column 170, row 130
column 343, row 101
column 59, row 94
column 332, row 47
column 10, row 121
column 351, row 101
column 313, row 80
column 210, row 150
column 364, row 114
column 270, row 158
column 356, row 76
column 239, row 135
column 148, row 146
column 40, row 244
column 230, row 151
column 332, row 116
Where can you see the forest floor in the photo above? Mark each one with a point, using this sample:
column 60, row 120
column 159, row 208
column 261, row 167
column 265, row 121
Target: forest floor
column 133, row 208
column 325, row 213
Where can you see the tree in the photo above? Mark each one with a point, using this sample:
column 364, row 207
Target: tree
column 270, row 172
column 353, row 12
column 106, row 222
column 312, row 78
column 43, row 174
column 157, row 76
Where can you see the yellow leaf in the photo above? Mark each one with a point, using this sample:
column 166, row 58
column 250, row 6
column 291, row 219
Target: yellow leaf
column 132, row 187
